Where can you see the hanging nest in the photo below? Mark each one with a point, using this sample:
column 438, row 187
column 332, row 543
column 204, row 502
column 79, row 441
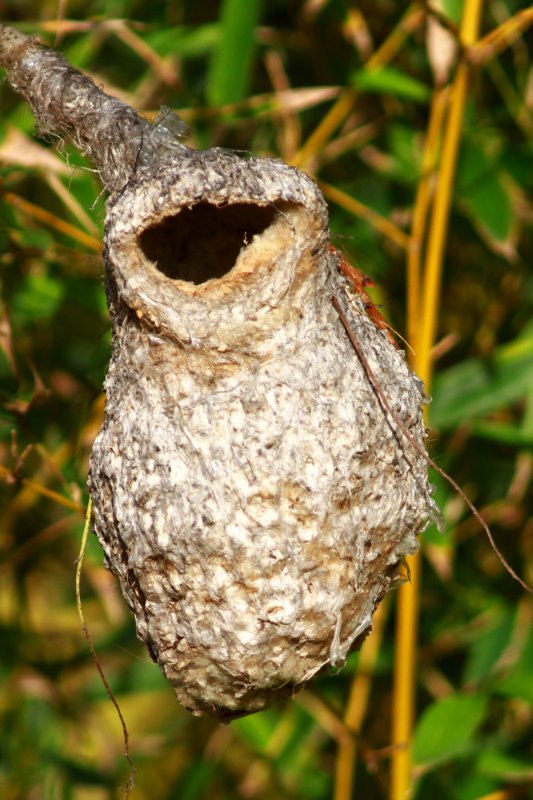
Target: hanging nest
column 251, row 492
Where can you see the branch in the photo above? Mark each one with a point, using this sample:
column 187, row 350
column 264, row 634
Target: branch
column 68, row 104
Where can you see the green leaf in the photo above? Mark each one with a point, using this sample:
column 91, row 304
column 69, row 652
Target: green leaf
column 477, row 158
column 480, row 187
column 390, row 80
column 448, row 727
column 40, row 297
column 256, row 729
column 453, row 9
column 527, row 419
column 513, row 435
column 185, row 42
column 488, row 203
column 230, row 66
column 518, row 684
column 480, row 386
column 498, row 763
column 469, row 785
column 301, row 726
column 517, row 161
column 194, row 784
column 36, row 237
column 82, row 50
column 405, row 150
column 488, row 645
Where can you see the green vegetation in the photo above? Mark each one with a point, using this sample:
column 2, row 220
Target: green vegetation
column 361, row 97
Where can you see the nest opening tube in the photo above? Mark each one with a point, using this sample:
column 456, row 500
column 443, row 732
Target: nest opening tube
column 204, row 241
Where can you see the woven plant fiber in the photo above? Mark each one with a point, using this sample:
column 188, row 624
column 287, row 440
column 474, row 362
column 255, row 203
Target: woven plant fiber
column 252, row 494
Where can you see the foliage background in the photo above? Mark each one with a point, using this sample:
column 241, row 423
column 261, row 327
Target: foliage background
column 262, row 77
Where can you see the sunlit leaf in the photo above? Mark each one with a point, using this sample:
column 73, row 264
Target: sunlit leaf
column 442, row 46
column 452, row 9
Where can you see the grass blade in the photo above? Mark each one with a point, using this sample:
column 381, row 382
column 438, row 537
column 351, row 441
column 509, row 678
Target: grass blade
column 230, row 66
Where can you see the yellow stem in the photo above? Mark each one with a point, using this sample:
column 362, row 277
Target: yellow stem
column 131, row 780
column 407, row 620
column 323, row 715
column 404, row 683
column 443, row 196
column 501, row 37
column 396, row 38
column 357, row 208
column 83, row 545
column 333, row 120
column 42, row 490
column 358, row 704
column 54, row 222
column 55, row 496
column 420, row 214
column 344, row 105
column 439, row 225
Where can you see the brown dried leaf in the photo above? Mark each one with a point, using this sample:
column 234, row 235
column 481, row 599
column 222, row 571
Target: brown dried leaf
column 442, row 50
column 19, row 149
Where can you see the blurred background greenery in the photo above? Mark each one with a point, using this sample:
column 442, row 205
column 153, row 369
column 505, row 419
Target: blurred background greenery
column 345, row 91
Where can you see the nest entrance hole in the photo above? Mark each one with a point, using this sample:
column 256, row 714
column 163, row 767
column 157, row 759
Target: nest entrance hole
column 204, row 241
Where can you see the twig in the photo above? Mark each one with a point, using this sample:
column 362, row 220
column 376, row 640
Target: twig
column 131, row 780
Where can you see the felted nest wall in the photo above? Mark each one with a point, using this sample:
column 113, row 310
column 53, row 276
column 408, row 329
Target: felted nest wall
column 251, row 492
